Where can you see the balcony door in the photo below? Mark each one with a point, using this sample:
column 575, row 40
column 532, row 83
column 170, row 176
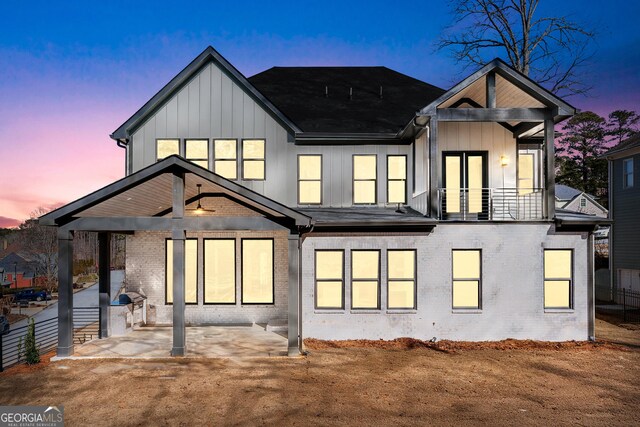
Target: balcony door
column 465, row 179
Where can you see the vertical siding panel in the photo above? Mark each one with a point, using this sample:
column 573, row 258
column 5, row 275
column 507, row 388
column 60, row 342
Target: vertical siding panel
column 216, row 102
column 204, row 105
column 237, row 109
column 248, row 106
column 172, row 118
column 161, row 123
column 193, row 104
column 226, row 99
column 183, row 113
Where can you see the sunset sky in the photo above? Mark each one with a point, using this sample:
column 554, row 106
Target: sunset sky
column 70, row 74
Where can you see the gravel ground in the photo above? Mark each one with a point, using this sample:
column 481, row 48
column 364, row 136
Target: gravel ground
column 555, row 385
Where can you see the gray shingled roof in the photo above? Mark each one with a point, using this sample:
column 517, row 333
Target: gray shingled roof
column 564, row 192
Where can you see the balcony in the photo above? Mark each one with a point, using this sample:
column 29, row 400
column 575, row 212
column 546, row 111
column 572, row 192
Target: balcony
column 490, row 204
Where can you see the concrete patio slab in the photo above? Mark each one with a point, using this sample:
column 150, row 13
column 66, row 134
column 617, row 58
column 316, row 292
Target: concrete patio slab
column 235, row 342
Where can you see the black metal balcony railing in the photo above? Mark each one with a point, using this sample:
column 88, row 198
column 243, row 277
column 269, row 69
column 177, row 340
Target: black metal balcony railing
column 490, row 204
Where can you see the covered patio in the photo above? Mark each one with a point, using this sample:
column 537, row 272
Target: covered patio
column 235, row 342
column 163, row 198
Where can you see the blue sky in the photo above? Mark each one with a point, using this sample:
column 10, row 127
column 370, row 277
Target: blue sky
column 71, row 72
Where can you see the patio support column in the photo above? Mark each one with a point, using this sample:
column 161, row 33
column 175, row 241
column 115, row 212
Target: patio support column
column 433, row 167
column 104, row 281
column 550, row 178
column 178, row 236
column 294, row 292
column 65, row 293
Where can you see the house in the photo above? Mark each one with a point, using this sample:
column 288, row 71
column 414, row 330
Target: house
column 624, row 205
column 574, row 200
column 348, row 202
column 17, row 270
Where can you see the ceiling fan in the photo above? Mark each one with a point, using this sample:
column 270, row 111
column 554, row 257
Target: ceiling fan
column 199, row 210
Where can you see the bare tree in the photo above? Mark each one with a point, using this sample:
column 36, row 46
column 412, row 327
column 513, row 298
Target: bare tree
column 41, row 243
column 550, row 50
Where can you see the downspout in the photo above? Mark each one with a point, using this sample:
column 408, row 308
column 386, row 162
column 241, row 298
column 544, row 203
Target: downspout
column 612, row 274
column 591, row 307
column 124, row 144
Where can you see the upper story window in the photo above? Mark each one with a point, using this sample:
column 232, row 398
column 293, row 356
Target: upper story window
column 225, row 161
column 309, row 179
column 167, row 147
column 397, row 179
column 627, row 173
column 253, row 151
column 197, row 151
column 364, row 179
column 583, row 202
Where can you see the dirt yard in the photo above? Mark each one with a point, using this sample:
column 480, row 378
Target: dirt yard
column 520, row 385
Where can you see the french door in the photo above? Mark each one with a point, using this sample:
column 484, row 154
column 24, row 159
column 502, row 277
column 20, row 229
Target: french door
column 465, row 179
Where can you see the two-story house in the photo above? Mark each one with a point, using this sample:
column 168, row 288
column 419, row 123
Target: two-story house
column 624, row 205
column 354, row 202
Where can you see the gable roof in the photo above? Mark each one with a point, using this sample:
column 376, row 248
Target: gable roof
column 626, row 147
column 564, row 192
column 318, row 99
column 207, row 56
column 516, row 78
column 129, row 196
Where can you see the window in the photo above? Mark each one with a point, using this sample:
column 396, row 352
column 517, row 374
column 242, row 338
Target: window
column 257, row 271
column 401, row 271
column 219, row 271
column 583, row 202
column 627, row 173
column 397, row 179
column 226, row 158
column 365, row 282
column 190, row 274
column 557, row 278
column 329, row 269
column 364, row 179
column 253, row 159
column 466, row 273
column 309, row 179
column 197, row 151
column 167, row 147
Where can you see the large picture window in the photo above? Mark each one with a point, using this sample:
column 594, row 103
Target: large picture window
column 309, row 179
column 219, row 271
column 191, row 271
column 558, row 278
column 197, row 151
column 225, row 161
column 365, row 279
column 167, row 147
column 364, row 179
column 329, row 270
column 397, row 179
column 257, row 271
column 466, row 273
column 401, row 271
column 253, row 152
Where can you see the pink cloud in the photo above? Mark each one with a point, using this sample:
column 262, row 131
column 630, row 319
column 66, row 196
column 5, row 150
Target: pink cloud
column 9, row 222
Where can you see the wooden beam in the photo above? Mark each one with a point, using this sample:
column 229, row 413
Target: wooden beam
column 493, row 114
column 491, row 89
column 433, row 168
column 550, row 179
column 190, row 223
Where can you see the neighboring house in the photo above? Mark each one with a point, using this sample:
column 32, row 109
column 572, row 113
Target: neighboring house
column 352, row 202
column 20, row 266
column 624, row 206
column 574, row 200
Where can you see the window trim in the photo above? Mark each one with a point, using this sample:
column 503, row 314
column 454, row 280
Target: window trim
column 628, row 160
column 570, row 280
column 415, row 279
column 166, row 282
column 379, row 279
column 264, row 158
column 353, row 180
column 236, row 159
column 155, row 148
column 406, row 170
column 204, row 271
column 315, row 279
column 185, row 140
column 273, row 271
column 298, row 180
column 479, row 280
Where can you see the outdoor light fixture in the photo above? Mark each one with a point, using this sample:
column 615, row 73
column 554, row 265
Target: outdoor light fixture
column 504, row 160
column 199, row 209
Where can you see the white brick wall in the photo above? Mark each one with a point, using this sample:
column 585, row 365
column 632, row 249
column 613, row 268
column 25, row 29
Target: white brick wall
column 145, row 270
column 512, row 287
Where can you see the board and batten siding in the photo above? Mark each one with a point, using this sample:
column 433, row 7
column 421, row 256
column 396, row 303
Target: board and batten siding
column 481, row 136
column 626, row 226
column 212, row 105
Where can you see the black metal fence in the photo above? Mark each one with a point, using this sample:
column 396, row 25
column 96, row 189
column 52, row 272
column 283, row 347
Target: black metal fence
column 85, row 328
column 622, row 305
